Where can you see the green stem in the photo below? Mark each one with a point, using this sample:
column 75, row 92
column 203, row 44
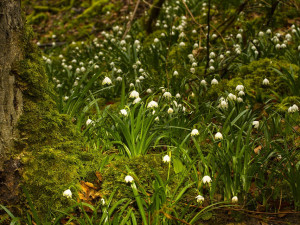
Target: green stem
column 139, row 203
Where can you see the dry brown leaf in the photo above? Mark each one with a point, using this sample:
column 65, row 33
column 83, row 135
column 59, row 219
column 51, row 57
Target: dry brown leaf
column 257, row 149
column 98, row 175
column 282, row 215
column 90, row 185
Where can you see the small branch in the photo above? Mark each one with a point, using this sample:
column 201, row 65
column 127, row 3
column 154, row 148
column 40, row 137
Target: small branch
column 128, row 26
column 189, row 11
column 207, row 38
column 233, row 17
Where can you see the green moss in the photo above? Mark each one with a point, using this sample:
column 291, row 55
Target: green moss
column 38, row 18
column 49, row 144
column 114, row 174
column 254, row 73
column 109, row 7
column 93, row 10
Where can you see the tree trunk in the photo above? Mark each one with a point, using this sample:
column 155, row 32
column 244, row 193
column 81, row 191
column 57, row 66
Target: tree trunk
column 11, row 100
column 10, row 96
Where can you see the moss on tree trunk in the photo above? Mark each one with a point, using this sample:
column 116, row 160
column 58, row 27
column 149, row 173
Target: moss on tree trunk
column 45, row 156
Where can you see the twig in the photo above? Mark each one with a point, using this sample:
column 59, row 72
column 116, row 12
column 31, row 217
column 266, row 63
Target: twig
column 128, row 26
column 151, row 5
column 207, row 38
column 233, row 18
column 220, row 35
column 189, row 11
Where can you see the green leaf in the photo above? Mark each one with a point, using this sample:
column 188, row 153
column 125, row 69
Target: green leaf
column 178, row 166
column 207, row 216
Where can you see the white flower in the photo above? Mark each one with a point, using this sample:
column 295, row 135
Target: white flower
column 223, row 104
column 241, row 93
column 89, row 121
column 119, row 79
column 156, row 40
column 67, row 193
column 192, row 70
column 239, row 36
column 102, row 201
column 214, row 81
column 231, row 97
column 293, row 109
column 128, row 179
column 266, row 82
column 212, row 55
column 134, row 94
column 166, row 159
column 149, row 91
column 177, row 95
column 66, row 98
column 167, row 94
column 156, row 118
column 123, row 112
column 234, row 199
column 261, row 34
column 288, row 37
column 203, row 82
column 212, row 68
column 175, row 73
column 255, row 124
column 200, row 199
column 239, row 87
column 181, row 44
column 278, row 46
column 106, row 81
column 218, row 136
column 131, row 85
column 283, row 46
column 269, row 31
column 206, row 180
column 152, row 104
column 170, row 110
column 123, row 42
column 194, row 132
column 239, row 100
column 137, row 100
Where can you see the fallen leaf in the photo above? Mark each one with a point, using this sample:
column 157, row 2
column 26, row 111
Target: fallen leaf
column 257, row 149
column 98, row 175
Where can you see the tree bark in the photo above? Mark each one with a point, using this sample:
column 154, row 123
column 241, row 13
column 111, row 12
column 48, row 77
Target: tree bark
column 10, row 96
column 11, row 100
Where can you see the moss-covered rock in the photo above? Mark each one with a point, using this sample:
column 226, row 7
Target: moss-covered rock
column 141, row 166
